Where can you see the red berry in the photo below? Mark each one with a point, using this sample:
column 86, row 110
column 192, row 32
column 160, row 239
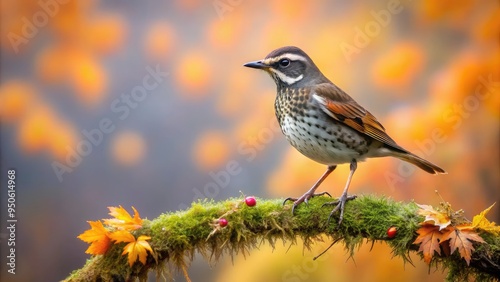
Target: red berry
column 391, row 232
column 250, row 201
column 222, row 222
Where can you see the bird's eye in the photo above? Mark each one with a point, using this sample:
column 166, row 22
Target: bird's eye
column 284, row 63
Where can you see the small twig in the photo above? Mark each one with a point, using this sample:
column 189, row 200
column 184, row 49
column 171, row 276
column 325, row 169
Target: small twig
column 323, row 252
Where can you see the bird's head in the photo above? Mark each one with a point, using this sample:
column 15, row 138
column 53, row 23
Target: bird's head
column 290, row 67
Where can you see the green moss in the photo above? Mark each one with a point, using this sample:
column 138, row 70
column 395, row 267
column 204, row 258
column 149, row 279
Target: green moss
column 177, row 236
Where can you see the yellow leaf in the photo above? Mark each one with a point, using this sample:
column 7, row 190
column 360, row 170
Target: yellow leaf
column 480, row 222
column 123, row 220
column 138, row 250
column 98, row 236
column 440, row 219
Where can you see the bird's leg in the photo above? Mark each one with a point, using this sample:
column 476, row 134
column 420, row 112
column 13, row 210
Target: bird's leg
column 344, row 197
column 310, row 193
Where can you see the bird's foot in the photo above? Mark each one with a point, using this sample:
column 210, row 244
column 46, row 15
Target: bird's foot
column 304, row 198
column 340, row 204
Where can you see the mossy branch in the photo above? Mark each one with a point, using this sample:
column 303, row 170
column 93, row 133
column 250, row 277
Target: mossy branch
column 177, row 236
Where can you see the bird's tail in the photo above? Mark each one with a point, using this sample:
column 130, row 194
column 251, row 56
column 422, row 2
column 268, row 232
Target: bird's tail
column 418, row 161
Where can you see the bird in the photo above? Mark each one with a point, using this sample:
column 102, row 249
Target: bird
column 325, row 124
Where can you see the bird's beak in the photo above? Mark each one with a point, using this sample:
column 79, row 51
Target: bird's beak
column 256, row 65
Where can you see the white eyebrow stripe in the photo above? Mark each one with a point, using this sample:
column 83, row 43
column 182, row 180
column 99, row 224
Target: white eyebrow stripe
column 290, row 56
column 288, row 80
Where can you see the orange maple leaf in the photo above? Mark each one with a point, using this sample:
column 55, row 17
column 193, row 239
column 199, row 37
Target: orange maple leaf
column 122, row 236
column 137, row 249
column 461, row 238
column 123, row 220
column 429, row 238
column 97, row 236
column 440, row 219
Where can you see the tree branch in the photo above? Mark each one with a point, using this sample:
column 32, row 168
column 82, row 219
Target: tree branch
column 175, row 237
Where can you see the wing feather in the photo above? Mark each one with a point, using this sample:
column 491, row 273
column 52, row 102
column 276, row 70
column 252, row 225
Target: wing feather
column 341, row 107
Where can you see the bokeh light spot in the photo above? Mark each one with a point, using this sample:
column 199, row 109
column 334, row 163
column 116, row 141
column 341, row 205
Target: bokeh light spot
column 159, row 40
column 211, row 150
column 15, row 98
column 128, row 148
column 193, row 75
column 398, row 66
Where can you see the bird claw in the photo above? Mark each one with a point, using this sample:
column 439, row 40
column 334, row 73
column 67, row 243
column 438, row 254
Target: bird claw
column 303, row 199
column 344, row 198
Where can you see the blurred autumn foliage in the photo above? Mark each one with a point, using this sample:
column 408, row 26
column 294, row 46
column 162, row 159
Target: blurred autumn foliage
column 429, row 73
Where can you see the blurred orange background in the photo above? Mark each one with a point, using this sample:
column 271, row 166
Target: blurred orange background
column 146, row 103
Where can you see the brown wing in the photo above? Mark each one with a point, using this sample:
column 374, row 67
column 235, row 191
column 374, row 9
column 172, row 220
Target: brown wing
column 340, row 106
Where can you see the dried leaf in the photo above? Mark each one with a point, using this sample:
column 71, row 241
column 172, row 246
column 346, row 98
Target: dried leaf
column 98, row 236
column 429, row 238
column 480, row 222
column 138, row 250
column 461, row 238
column 438, row 218
column 123, row 220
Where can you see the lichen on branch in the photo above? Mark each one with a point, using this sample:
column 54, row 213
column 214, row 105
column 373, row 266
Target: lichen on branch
column 177, row 236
